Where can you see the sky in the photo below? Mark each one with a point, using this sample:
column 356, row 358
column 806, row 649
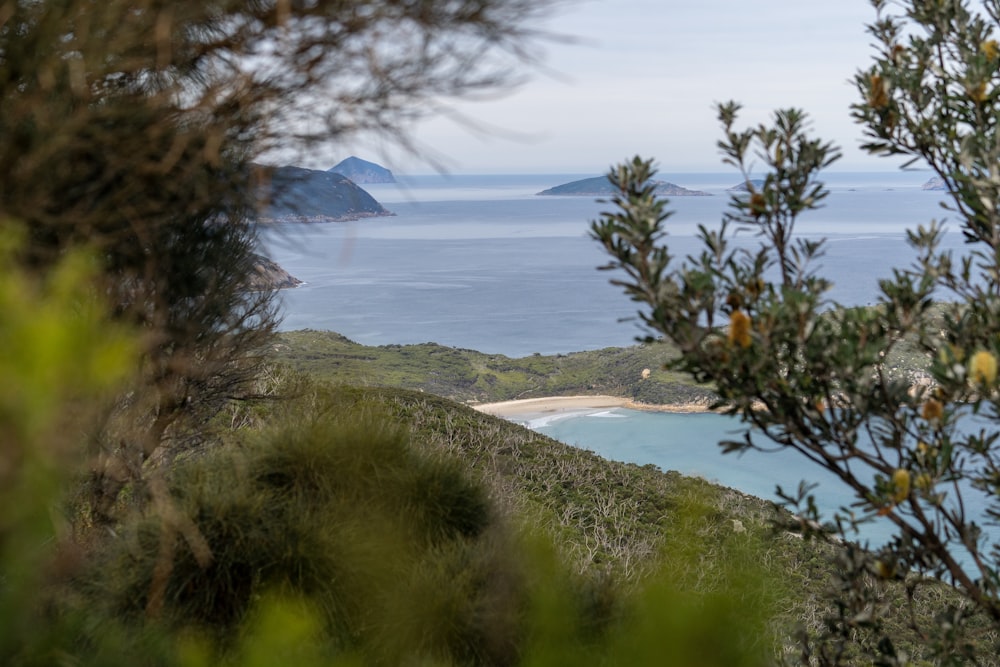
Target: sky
column 644, row 76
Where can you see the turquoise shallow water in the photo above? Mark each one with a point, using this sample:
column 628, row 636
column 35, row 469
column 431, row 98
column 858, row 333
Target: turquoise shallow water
column 688, row 443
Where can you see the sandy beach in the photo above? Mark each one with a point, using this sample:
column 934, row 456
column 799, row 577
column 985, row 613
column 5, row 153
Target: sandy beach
column 557, row 404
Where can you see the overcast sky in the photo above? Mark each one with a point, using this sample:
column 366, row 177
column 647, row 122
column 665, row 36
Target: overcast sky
column 644, row 77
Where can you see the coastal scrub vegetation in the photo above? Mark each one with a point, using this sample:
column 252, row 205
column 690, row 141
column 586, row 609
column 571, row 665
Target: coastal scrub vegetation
column 358, row 526
column 150, row 513
column 635, row 373
column 810, row 375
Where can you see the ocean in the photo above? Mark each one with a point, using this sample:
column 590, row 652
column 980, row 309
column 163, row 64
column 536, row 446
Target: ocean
column 481, row 262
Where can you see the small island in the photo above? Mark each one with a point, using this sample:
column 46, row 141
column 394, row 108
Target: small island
column 935, row 183
column 600, row 186
column 757, row 184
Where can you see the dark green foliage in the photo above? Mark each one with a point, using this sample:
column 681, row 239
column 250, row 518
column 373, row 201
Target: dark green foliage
column 341, row 511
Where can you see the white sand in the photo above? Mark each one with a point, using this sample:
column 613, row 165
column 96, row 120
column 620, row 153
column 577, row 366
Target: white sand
column 557, row 404
column 551, row 404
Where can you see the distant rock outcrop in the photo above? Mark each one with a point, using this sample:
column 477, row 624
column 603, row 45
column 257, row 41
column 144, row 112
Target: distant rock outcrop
column 758, row 183
column 294, row 194
column 935, row 183
column 600, row 186
column 363, row 171
column 268, row 275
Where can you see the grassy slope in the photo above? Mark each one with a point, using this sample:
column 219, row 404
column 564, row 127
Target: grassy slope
column 467, row 375
column 471, row 376
column 604, row 517
column 627, row 520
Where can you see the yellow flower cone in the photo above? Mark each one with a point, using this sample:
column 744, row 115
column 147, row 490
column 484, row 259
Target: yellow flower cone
column 900, row 485
column 932, row 410
column 739, row 329
column 983, row 368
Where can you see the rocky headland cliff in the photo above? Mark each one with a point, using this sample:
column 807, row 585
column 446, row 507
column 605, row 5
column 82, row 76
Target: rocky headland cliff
column 268, row 275
column 296, row 194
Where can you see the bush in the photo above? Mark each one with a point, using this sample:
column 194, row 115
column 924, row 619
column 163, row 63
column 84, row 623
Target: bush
column 399, row 553
column 812, row 376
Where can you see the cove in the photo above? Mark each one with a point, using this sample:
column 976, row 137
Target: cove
column 688, row 443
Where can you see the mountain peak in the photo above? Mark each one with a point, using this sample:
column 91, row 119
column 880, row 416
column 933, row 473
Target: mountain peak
column 363, row 171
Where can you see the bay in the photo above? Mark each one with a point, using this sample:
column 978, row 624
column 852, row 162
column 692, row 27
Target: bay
column 481, row 262
column 688, row 443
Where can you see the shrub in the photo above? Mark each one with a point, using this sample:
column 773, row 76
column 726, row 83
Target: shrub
column 398, row 552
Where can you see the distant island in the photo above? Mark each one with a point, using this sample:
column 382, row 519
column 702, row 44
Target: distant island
column 363, row 171
column 600, row 186
column 935, row 183
column 295, row 194
column 757, row 183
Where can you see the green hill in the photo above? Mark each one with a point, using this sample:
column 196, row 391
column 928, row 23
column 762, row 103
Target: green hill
column 470, row 376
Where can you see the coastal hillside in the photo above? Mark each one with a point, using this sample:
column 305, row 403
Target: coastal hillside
column 362, row 171
column 620, row 526
column 635, row 373
column 618, row 529
column 600, row 186
column 295, row 194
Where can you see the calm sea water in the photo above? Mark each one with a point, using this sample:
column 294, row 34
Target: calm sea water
column 481, row 262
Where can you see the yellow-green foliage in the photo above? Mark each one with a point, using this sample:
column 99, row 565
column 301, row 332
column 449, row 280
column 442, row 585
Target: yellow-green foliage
column 57, row 345
column 57, row 354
